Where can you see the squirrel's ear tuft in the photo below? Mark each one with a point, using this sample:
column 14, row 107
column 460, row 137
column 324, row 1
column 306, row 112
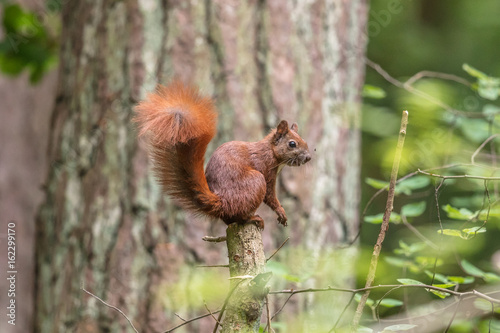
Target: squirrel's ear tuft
column 281, row 130
column 295, row 127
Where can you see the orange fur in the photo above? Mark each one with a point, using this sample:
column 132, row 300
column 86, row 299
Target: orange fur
column 240, row 175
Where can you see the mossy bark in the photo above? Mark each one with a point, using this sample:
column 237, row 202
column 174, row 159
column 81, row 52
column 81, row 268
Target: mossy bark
column 248, row 279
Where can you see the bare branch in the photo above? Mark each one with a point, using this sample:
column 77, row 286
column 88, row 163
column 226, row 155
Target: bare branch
column 420, row 93
column 112, row 307
column 279, row 248
column 456, row 176
column 206, row 307
column 454, row 314
column 438, row 75
column 214, row 239
column 392, row 286
column 481, row 147
column 211, row 266
column 178, row 316
column 385, row 221
column 417, row 233
column 191, row 320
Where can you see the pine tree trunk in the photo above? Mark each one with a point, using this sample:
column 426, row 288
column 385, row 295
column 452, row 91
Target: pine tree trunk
column 104, row 223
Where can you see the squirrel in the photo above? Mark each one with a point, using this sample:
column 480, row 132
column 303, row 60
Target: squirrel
column 239, row 176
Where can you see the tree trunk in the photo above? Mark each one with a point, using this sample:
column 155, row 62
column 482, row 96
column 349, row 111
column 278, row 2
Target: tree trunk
column 104, row 223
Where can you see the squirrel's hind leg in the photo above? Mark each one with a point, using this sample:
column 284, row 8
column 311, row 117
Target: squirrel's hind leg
column 259, row 221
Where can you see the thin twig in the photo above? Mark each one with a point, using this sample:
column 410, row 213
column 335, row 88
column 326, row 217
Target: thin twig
column 268, row 315
column 281, row 308
column 211, row 313
column 420, row 93
column 454, row 314
column 414, row 173
column 214, row 239
column 417, row 233
column 178, row 316
column 112, row 307
column 279, row 248
column 438, row 75
column 481, row 147
column 383, row 286
column 456, row 176
column 438, row 212
column 190, row 320
column 211, row 266
column 385, row 221
column 342, row 313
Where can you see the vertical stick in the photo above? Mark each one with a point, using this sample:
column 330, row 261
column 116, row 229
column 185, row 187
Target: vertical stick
column 248, row 278
column 385, row 222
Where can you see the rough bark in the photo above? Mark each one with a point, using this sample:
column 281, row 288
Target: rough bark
column 248, row 279
column 104, row 222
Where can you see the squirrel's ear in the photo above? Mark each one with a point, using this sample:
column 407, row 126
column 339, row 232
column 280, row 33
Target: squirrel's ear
column 294, row 127
column 281, row 130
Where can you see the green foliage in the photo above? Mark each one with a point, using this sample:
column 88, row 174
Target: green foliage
column 370, row 91
column 407, row 186
column 488, row 87
column 474, row 271
column 27, row 43
column 466, row 233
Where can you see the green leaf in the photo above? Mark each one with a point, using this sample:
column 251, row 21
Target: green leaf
column 474, row 72
column 375, row 183
column 487, row 86
column 398, row 262
column 409, row 281
column 474, row 230
column 476, row 130
column 369, row 301
column 458, row 214
column 408, row 250
column 451, row 232
column 414, row 209
column 474, row 271
column 370, row 91
column 363, row 329
column 398, row 328
column 437, row 276
column 471, row 269
column 491, row 277
column 464, row 233
column 440, row 294
column 461, row 279
column 490, row 110
column 484, row 305
column 445, row 285
column 390, row 302
column 428, row 261
column 378, row 218
column 409, row 185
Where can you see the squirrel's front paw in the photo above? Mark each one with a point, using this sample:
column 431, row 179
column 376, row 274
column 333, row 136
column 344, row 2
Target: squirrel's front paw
column 281, row 216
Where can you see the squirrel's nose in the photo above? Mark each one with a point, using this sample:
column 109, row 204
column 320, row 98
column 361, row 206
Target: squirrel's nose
column 307, row 159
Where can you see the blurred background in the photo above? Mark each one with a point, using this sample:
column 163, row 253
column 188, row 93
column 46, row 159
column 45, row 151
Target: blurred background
column 437, row 59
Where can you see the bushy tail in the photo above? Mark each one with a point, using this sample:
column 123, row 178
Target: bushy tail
column 180, row 123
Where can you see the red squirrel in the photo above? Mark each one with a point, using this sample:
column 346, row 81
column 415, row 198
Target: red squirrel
column 239, row 176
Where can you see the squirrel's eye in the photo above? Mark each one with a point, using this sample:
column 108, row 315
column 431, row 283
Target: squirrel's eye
column 292, row 144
